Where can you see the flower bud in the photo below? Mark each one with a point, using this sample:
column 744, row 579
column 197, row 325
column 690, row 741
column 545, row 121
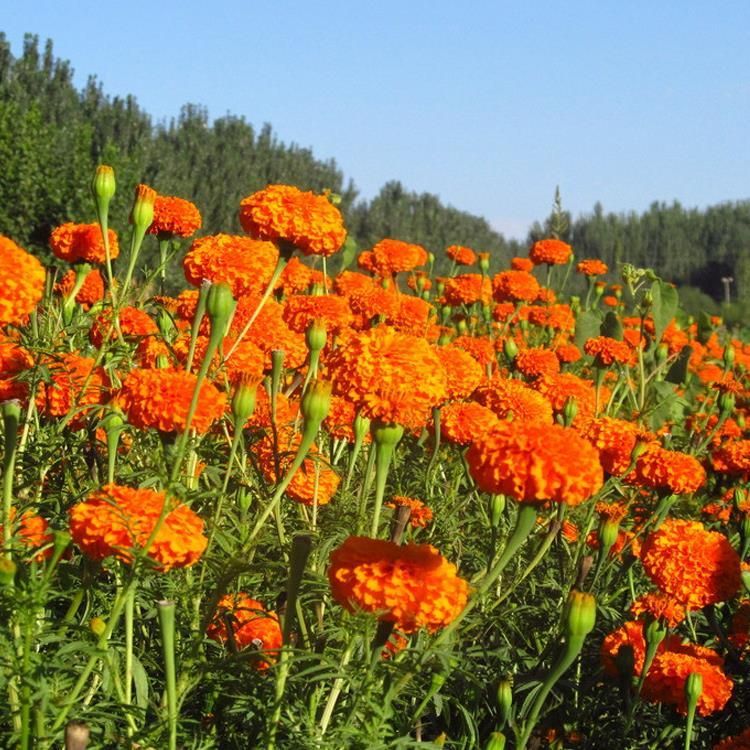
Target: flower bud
column 484, row 261
column 746, row 580
column 430, row 258
column 693, row 688
column 7, row 571
column 219, row 303
column 726, row 404
column 570, row 410
column 580, row 615
column 142, row 213
column 729, row 356
column 655, row 632
column 243, row 401
column 316, row 335
column 638, row 450
column 497, row 506
column 462, row 328
column 103, row 185
column 609, row 530
column 496, row 741
column 360, row 427
column 97, row 626
column 505, row 699
column 510, row 349
column 316, row 402
column 661, row 354
column 386, row 434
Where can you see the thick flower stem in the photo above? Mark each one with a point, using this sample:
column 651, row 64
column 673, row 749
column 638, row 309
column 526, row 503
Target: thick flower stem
column 11, row 412
column 385, row 437
column 166, row 624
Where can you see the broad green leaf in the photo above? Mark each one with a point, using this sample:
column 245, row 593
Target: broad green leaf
column 664, row 307
column 587, row 326
column 611, row 327
column 678, row 372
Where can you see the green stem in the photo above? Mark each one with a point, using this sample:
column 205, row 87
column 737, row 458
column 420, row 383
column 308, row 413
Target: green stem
column 385, row 438
column 166, row 624
column 11, row 411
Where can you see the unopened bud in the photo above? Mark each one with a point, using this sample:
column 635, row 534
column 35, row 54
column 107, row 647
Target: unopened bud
column 726, row 404
column 729, row 355
column 638, row 450
column 219, row 303
column 386, row 434
column 655, row 632
column 495, row 742
column 510, row 349
column 316, row 335
column 570, row 410
column 360, row 426
column 243, row 401
column 142, row 213
column 746, row 580
column 430, row 258
column 462, row 328
column 97, row 626
column 609, row 530
column 505, row 699
column 316, row 402
column 7, row 571
column 497, row 506
column 484, row 261
column 661, row 354
column 580, row 615
column 693, row 688
column 103, row 185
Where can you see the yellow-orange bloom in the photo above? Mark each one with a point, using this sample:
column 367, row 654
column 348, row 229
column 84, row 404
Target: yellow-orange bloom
column 420, row 515
column 550, row 251
column 462, row 423
column 537, row 361
column 412, row 586
column 91, row 291
column 394, row 256
column 118, row 520
column 513, row 399
column 607, row 351
column 463, row 256
column 467, row 289
column 75, row 383
column 673, row 471
column 160, row 399
column 535, row 463
column 694, row 566
column 282, row 213
column 515, row 286
column 462, row 371
column 175, row 217
column 592, row 267
column 82, row 242
column 659, row 605
column 21, row 282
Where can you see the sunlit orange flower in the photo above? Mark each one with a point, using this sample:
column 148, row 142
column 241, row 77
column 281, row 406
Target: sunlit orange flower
column 503, row 311
column 134, row 323
column 33, row 533
column 420, row 515
column 366, row 261
column 557, row 317
column 630, row 635
column 592, row 267
column 659, row 605
column 174, row 217
column 250, row 624
column 14, row 359
column 467, row 289
column 75, row 383
column 676, row 472
column 246, row 265
column 375, row 302
column 282, row 213
column 665, row 681
column 513, row 399
column 535, row 463
column 732, row 458
column 415, row 316
column 694, row 566
column 116, row 521
column 607, row 351
column 615, row 440
column 610, row 300
column 82, row 242
column 480, row 347
column 160, row 399
column 412, row 585
column 21, row 282
column 550, row 251
column 392, row 377
column 537, row 361
column 558, row 389
column 91, row 291
column 329, row 309
column 515, row 286
column 394, row 256
column 462, row 423
column 463, row 372
column 296, row 277
column 340, row 420
column 462, row 256
column 568, row 354
column 521, row 264
column 611, row 511
column 738, row 742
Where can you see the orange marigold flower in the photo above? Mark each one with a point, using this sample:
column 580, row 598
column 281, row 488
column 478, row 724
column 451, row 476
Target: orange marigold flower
column 91, row 291
column 463, row 372
column 419, row 281
column 615, row 440
column 420, row 515
column 33, row 533
column 75, row 383
column 340, row 420
column 694, row 566
column 673, row 471
column 333, row 311
column 467, row 289
column 513, row 399
column 416, row 316
column 394, row 256
column 732, row 458
column 82, row 242
column 282, row 213
column 607, row 351
column 535, row 463
column 246, row 265
column 480, row 347
column 558, row 389
column 412, row 585
column 375, row 301
column 118, row 520
column 557, row 317
column 297, row 277
column 568, row 354
column 611, row 511
column 160, row 399
column 366, row 261
column 522, row 264
column 21, row 282
column 630, row 635
column 463, row 256
column 462, row 423
column 14, row 359
column 738, row 742
column 392, row 377
column 503, row 311
column 134, row 323
column 246, row 622
column 610, row 301
column 175, row 217
column 592, row 267
column 550, row 251
column 537, row 361
column 659, row 605
column 665, row 681
column 515, row 286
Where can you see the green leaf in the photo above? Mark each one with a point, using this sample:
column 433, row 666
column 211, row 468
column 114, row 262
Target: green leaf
column 678, row 372
column 664, row 307
column 587, row 327
column 611, row 327
column 348, row 252
column 140, row 678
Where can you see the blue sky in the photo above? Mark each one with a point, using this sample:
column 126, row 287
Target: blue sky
column 487, row 104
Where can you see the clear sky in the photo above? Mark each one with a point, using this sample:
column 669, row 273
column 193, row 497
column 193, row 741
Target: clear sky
column 488, row 104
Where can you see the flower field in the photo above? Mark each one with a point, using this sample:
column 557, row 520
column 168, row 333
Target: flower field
column 298, row 505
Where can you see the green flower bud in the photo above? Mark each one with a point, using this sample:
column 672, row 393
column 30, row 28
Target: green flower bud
column 103, row 185
column 505, row 699
column 510, row 349
column 570, row 410
column 444, row 340
column 386, row 434
column 726, row 404
column 316, row 402
column 495, row 742
column 580, row 615
column 729, row 355
column 484, row 262
column 746, row 580
column 693, row 688
column 142, row 213
column 360, row 427
column 661, row 354
column 608, row 533
column 219, row 303
column 316, row 335
column 243, row 401
column 655, row 632
column 97, row 626
column 463, row 329
column 497, row 506
column 638, row 450
column 7, row 571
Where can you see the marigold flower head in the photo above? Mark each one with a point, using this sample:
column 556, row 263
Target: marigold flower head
column 610, row 300
column 557, row 317
column 694, row 566
column 567, row 354
column 515, row 286
column 13, row 357
column 463, row 372
column 246, row 265
column 340, row 420
column 82, row 242
column 665, row 681
column 661, row 606
column 415, row 316
column 550, row 251
column 480, row 347
column 615, row 440
column 607, row 351
column 672, row 471
column 535, row 463
column 412, row 585
column 331, row 310
column 394, row 256
column 296, row 277
column 160, row 399
column 247, row 623
column 283, row 213
column 175, row 217
column 462, row 256
column 537, row 361
column 738, row 742
column 392, row 377
column 513, row 399
column 558, row 389
column 521, row 264
column 463, row 422
column 420, row 515
column 467, row 289
column 732, row 457
column 375, row 302
column 630, row 635
column 33, row 533
column 75, row 383
column 91, row 291
column 116, row 521
column 592, row 267
column 134, row 323
column 21, row 282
